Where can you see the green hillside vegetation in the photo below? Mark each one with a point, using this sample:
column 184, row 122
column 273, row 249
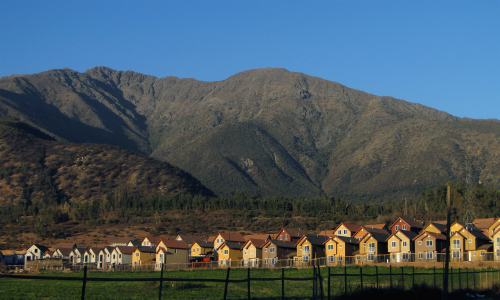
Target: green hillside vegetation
column 264, row 131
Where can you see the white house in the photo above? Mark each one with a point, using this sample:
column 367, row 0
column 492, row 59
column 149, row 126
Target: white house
column 76, row 256
column 121, row 255
column 35, row 252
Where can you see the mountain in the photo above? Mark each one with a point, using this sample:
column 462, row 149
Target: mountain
column 37, row 168
column 265, row 131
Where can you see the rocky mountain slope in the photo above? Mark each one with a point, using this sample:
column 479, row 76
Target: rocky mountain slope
column 36, row 168
column 266, row 131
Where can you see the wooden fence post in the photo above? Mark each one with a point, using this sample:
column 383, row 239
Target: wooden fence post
column 227, row 283
column 467, row 277
column 328, row 283
column 390, row 275
column 434, row 277
column 345, row 280
column 161, row 282
column 413, row 278
column 474, row 273
column 84, row 281
column 459, row 279
column 282, row 283
column 451, row 272
column 376, row 274
column 248, row 278
column 402, row 279
column 361, row 275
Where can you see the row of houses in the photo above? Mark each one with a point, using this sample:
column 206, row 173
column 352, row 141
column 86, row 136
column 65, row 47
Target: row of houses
column 404, row 241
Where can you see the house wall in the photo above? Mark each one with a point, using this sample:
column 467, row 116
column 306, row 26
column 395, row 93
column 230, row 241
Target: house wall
column 301, row 247
column 233, row 254
column 178, row 256
column 496, row 245
column 470, row 241
column 397, row 246
column 333, row 251
column 344, row 231
column 432, row 228
column 493, row 227
column 409, row 245
column 400, row 224
column 455, row 228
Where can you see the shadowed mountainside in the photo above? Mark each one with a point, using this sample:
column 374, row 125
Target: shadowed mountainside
column 264, row 131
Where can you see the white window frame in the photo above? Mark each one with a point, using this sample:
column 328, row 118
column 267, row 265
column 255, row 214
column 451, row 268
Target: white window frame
column 393, row 244
column 404, row 227
column 331, row 258
column 306, row 249
column 430, row 255
column 405, row 243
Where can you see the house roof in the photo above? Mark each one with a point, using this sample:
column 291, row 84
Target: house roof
column 292, row 232
column 439, row 222
column 65, row 251
column 486, row 247
column 351, row 227
column 376, row 226
column 211, row 238
column 348, row 240
column 441, row 227
column 175, row 244
column 190, row 239
column 281, row 244
column 145, row 249
column 231, row 245
column 483, row 223
column 49, row 252
column 120, row 240
column 409, row 234
column 258, row 236
column 412, row 223
column 256, row 242
column 81, row 250
column 328, row 233
column 125, row 249
column 41, row 247
column 477, row 233
column 13, row 252
column 205, row 244
column 437, row 236
column 379, row 237
column 314, row 239
column 155, row 239
column 233, row 237
column 64, row 245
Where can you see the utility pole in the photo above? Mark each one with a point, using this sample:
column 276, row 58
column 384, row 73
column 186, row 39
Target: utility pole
column 447, row 245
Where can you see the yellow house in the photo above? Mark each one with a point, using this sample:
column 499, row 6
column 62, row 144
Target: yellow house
column 485, row 224
column 202, row 249
column 473, row 239
column 310, row 246
column 457, row 241
column 435, row 227
column 496, row 243
column 171, row 252
column 339, row 248
column 346, row 229
column 252, row 252
column 229, row 252
column 400, row 246
column 142, row 255
column 455, row 227
column 372, row 245
column 493, row 227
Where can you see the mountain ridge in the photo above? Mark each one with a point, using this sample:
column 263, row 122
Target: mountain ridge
column 303, row 135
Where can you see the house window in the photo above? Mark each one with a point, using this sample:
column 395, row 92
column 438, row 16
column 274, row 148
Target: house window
column 456, row 254
column 226, row 251
column 404, row 243
column 420, row 255
column 137, row 254
column 340, row 245
column 161, row 256
column 358, row 257
column 119, row 256
column 245, row 251
column 340, row 231
column 265, row 261
column 273, row 261
column 36, row 250
column 474, row 254
column 452, row 233
column 397, row 227
column 345, row 231
column 456, row 244
column 306, row 249
column 470, row 241
column 428, row 243
column 498, row 241
column 331, row 258
column 265, row 249
column 175, row 250
column 271, row 250
column 404, row 227
column 340, row 257
column 286, row 236
column 405, row 256
column 430, row 255
column 371, row 247
column 251, row 251
column 330, row 247
column 482, row 253
column 305, row 258
column 371, row 257
column 113, row 256
column 419, row 242
column 498, row 252
column 393, row 244
column 281, row 237
column 217, row 241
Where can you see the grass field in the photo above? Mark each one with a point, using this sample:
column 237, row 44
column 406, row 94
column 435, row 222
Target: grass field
column 14, row 288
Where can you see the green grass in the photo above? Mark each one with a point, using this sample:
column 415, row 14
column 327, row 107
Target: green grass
column 11, row 288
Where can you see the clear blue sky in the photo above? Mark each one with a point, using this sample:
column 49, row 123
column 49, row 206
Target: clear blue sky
column 443, row 54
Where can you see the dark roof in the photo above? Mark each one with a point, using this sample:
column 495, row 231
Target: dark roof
column 232, row 245
column 437, row 236
column 175, row 244
column 293, row 232
column 190, row 239
column 317, row 240
column 146, row 249
column 283, row 244
column 410, row 222
column 205, row 244
column 486, row 247
column 409, row 234
column 478, row 233
column 256, row 242
column 65, row 251
column 379, row 237
column 233, row 237
column 376, row 230
column 41, row 247
column 348, row 240
column 439, row 226
column 125, row 249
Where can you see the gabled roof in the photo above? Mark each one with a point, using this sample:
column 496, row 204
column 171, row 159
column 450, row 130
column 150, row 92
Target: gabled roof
column 175, row 244
column 258, row 236
column 65, row 245
column 349, row 226
column 483, row 223
column 347, row 240
column 233, row 237
column 409, row 234
column 41, row 247
column 231, row 245
column 316, row 240
column 205, row 244
column 412, row 223
column 487, row 247
column 292, row 232
column 13, row 252
column 80, row 250
column 439, row 226
column 423, row 234
column 48, row 252
column 280, row 244
column 211, row 238
column 376, row 226
column 329, row 233
column 65, row 251
column 154, row 239
column 144, row 249
column 190, row 239
column 125, row 249
column 256, row 242
column 379, row 237
column 477, row 233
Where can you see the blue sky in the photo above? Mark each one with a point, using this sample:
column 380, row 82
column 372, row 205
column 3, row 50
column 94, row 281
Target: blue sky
column 443, row 54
